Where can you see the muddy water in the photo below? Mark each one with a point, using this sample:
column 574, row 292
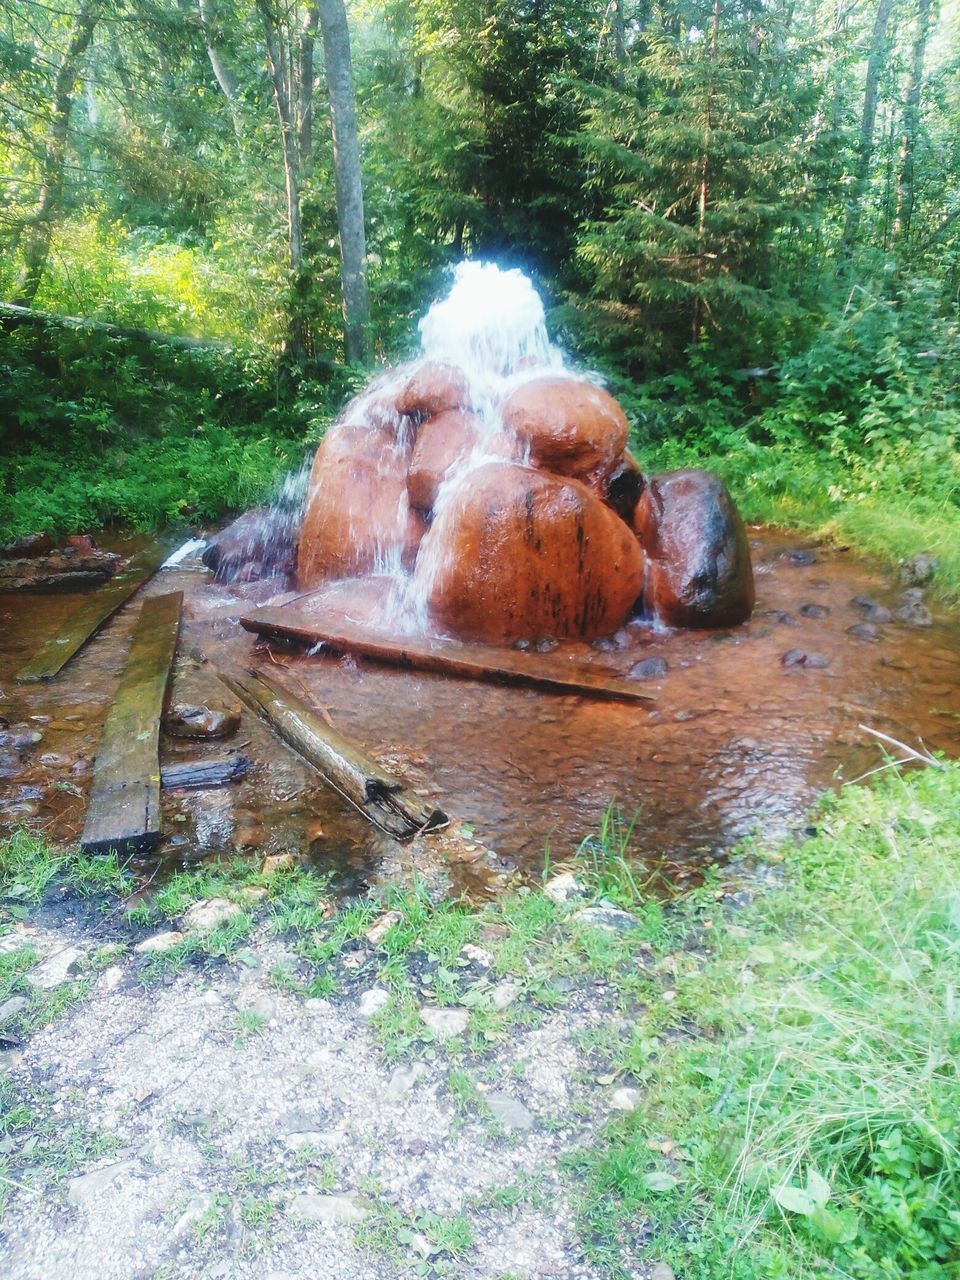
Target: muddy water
column 736, row 739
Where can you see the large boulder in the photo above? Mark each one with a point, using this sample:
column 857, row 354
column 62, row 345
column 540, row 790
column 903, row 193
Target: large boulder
column 518, row 554
column 441, row 441
column 571, row 428
column 261, row 543
column 432, row 387
column 698, row 559
column 358, row 517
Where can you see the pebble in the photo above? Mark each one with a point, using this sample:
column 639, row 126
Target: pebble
column 662, row 1271
column 920, row 569
column 477, row 955
column 504, row 994
column 914, row 615
column 404, row 1078
column 510, row 1113
column 625, row 1099
column 275, row 862
column 801, row 658
column 330, row 1210
column 612, row 919
column 160, row 942
column 89, row 1187
column 372, row 1001
column 265, row 1007
column 562, row 888
column 863, row 631
column 382, row 926
column 801, row 556
column 648, row 669
column 814, row 610
column 445, row 1023
column 57, row 969
column 209, row 914
column 10, row 1008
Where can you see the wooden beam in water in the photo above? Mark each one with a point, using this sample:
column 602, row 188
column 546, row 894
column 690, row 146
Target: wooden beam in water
column 380, row 796
column 124, row 809
column 96, row 610
column 449, row 657
column 212, row 772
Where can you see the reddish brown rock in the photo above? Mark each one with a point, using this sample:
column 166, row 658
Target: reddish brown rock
column 517, row 554
column 357, row 513
column 698, row 559
column 621, row 488
column 441, row 441
column 572, row 428
column 432, row 388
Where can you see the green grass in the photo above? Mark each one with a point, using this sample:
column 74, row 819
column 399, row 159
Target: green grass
column 811, row 1125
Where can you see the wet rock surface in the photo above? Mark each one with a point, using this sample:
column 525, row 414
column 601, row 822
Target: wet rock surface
column 571, row 428
column 34, row 563
column 699, row 572
column 259, row 544
column 519, row 554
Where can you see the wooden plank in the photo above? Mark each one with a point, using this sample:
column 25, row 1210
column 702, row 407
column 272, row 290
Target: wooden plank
column 124, row 808
column 449, row 657
column 380, row 796
column 95, row 611
column 212, row 772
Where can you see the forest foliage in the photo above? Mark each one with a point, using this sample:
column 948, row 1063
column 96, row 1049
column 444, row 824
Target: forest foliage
column 743, row 212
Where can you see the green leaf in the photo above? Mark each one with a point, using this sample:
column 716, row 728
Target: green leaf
column 660, row 1180
column 836, row 1227
column 793, row 1200
column 818, row 1188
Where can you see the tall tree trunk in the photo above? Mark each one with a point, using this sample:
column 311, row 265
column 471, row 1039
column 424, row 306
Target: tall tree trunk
column 38, row 232
column 277, row 57
column 703, row 195
column 911, row 122
column 346, row 165
column 219, row 62
column 305, row 78
column 868, row 118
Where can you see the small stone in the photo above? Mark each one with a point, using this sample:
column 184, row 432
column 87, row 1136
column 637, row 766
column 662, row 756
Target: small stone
column 196, row 1207
column 189, row 720
column 445, row 1023
column 510, row 1113
column 330, row 1210
column 265, row 1007
column 10, row 1008
column 56, row 969
column 612, row 919
column 914, row 615
column 878, row 613
column 504, row 994
column 912, row 595
column 88, row 1188
column 160, row 942
column 307, row 1138
column 277, row 862
column 477, row 955
column 209, row 914
column 20, row 737
column 648, row 669
column 919, row 570
column 562, row 888
column 814, row 610
column 662, row 1272
column 372, row 1001
column 802, row 658
column 625, row 1099
column 404, row 1078
column 110, row 979
column 801, row 556
column 863, row 631
column 381, row 926
column 253, row 893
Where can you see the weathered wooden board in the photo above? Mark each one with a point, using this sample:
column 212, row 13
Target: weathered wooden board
column 124, row 808
column 86, row 621
column 380, row 796
column 212, row 772
column 450, row 657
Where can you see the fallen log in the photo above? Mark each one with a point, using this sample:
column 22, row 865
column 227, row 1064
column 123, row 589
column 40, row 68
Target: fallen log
column 213, row 772
column 380, row 796
column 124, row 809
column 449, row 657
column 67, row 569
column 13, row 316
column 83, row 624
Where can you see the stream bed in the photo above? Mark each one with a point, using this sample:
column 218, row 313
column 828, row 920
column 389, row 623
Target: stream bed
column 748, row 728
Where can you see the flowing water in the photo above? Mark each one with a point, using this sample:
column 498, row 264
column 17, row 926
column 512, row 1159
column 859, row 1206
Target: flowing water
column 736, row 739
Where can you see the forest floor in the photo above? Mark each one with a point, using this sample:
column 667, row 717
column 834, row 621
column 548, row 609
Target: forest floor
column 241, row 1077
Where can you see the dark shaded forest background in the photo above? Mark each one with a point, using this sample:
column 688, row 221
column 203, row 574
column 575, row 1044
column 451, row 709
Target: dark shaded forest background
column 746, row 215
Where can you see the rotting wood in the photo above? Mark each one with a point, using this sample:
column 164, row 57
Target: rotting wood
column 213, row 772
column 380, row 796
column 83, row 624
column 124, row 808
column 449, row 657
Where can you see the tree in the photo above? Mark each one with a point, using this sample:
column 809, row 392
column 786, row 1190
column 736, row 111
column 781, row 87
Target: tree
column 868, row 116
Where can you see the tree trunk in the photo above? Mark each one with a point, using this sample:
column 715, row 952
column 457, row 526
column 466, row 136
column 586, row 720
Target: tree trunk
column 703, row 196
column 38, row 232
column 346, row 164
column 875, row 60
column 911, row 121
column 226, row 79
column 297, row 340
